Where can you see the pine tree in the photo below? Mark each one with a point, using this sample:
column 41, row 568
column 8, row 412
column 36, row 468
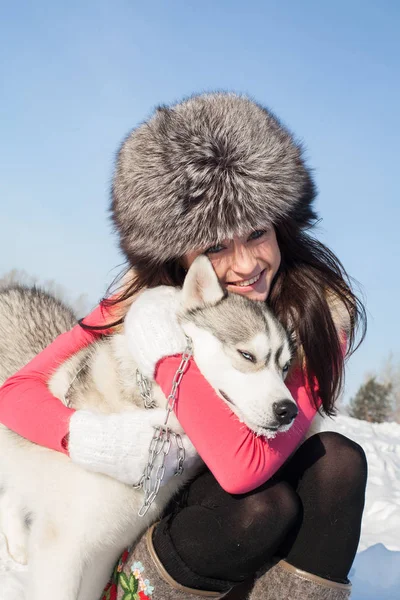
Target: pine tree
column 372, row 402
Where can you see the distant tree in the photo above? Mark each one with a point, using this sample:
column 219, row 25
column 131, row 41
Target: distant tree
column 79, row 305
column 372, row 402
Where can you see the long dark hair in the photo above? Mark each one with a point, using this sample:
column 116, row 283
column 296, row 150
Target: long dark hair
column 309, row 281
column 310, row 287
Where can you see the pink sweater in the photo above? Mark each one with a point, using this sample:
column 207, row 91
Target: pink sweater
column 239, row 460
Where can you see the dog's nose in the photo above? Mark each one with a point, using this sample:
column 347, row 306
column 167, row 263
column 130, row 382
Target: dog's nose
column 285, row 411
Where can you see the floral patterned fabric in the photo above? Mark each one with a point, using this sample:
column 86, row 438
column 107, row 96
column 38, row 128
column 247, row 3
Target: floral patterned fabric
column 131, row 586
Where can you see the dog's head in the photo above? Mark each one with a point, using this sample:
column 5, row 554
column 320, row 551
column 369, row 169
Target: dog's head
column 240, row 348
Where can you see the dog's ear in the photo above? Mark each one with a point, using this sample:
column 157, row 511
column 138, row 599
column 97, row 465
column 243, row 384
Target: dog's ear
column 201, row 286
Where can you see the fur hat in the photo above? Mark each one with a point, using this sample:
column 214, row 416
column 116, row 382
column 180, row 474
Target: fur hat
column 204, row 170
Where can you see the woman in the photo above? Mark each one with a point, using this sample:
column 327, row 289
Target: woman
column 218, row 174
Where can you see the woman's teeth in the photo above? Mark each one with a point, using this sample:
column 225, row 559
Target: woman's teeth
column 247, row 282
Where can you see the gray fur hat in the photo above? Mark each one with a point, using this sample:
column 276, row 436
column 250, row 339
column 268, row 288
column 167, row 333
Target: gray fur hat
column 204, row 170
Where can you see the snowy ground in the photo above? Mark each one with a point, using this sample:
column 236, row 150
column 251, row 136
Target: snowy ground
column 376, row 570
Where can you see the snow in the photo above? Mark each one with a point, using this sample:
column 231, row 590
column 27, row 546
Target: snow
column 376, row 571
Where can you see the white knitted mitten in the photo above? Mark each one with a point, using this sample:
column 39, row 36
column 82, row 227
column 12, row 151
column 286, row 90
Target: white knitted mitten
column 152, row 329
column 118, row 444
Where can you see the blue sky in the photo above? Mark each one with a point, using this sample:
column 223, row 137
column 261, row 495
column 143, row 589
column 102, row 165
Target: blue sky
column 76, row 77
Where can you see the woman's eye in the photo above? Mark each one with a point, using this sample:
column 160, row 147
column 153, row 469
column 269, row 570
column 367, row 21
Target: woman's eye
column 247, row 355
column 214, row 249
column 257, row 234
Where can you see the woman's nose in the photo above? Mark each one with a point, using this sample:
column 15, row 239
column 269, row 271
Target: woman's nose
column 244, row 261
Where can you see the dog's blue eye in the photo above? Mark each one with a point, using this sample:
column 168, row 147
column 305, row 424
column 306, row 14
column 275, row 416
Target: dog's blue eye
column 247, row 355
column 285, row 369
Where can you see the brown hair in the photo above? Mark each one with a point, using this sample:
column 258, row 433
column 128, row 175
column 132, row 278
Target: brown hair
column 310, row 279
column 310, row 287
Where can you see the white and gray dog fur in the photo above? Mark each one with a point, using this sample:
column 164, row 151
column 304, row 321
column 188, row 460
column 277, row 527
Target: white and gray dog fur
column 76, row 523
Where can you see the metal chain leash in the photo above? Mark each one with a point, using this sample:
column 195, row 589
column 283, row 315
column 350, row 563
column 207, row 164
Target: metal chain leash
column 145, row 387
column 163, row 436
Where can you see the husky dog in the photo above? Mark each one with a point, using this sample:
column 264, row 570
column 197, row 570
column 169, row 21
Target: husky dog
column 79, row 521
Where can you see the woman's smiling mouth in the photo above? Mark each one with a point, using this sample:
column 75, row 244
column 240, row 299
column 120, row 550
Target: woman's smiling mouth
column 246, row 282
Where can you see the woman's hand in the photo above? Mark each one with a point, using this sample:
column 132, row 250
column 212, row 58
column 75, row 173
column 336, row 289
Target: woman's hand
column 118, row 444
column 152, row 329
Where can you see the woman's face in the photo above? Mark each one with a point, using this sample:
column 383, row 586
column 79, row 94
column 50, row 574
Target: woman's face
column 244, row 265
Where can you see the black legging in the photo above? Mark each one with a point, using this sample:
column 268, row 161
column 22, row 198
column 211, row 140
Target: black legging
column 309, row 513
